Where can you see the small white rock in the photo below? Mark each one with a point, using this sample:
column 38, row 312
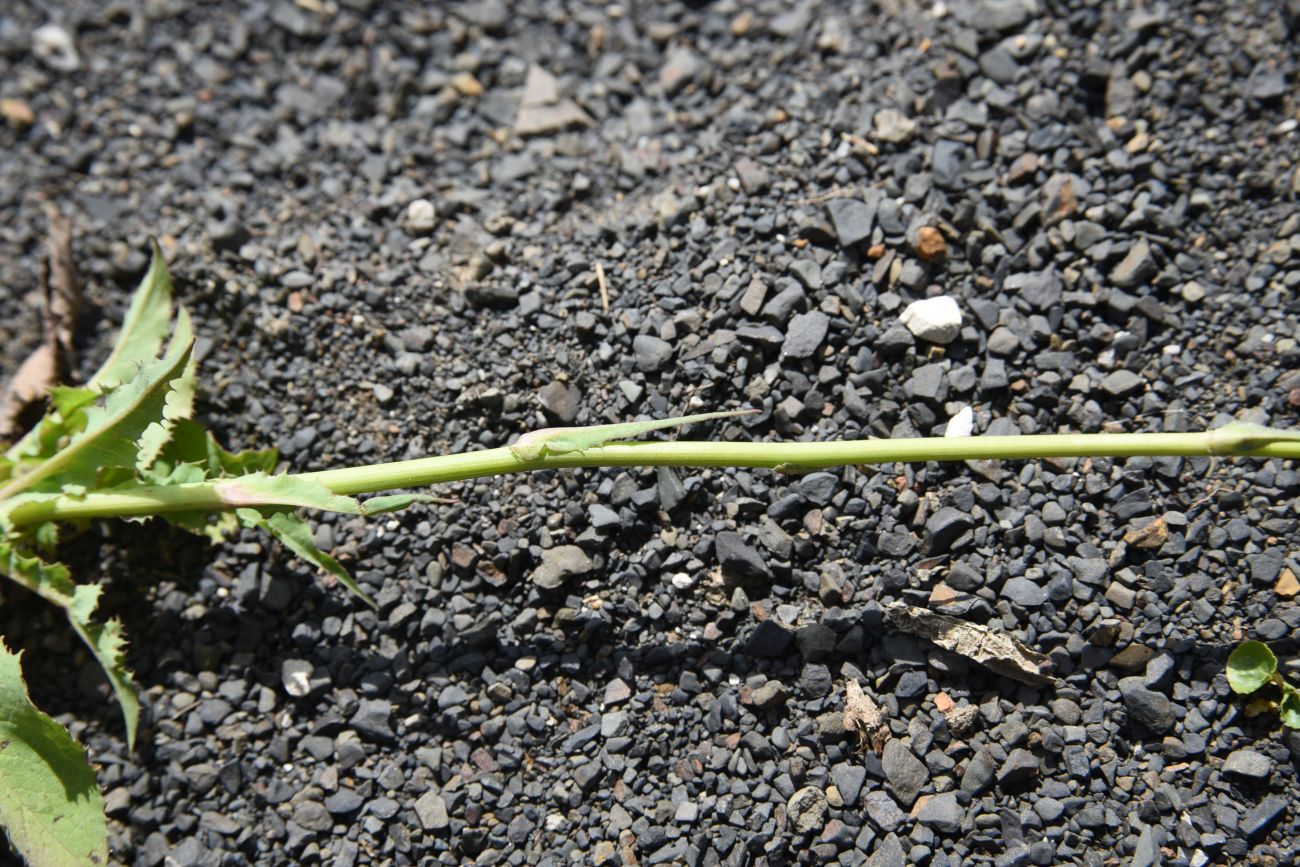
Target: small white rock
column 53, row 45
column 421, row 217
column 937, row 320
column 295, row 674
column 893, row 126
column 961, row 424
column 683, row 581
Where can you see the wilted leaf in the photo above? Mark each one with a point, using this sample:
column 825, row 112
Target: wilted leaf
column 996, row 651
column 394, row 502
column 295, row 535
column 35, row 376
column 50, row 804
column 1250, row 666
column 46, row 366
column 144, row 329
column 1257, row 706
column 63, row 284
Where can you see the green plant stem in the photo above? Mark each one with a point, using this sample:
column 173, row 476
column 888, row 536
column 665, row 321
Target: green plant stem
column 790, row 457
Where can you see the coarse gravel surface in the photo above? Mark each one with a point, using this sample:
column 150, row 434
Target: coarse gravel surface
column 395, row 225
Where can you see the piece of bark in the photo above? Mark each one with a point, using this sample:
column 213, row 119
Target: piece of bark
column 994, row 650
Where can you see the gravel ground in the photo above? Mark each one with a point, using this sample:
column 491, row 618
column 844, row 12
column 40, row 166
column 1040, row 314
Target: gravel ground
column 391, row 221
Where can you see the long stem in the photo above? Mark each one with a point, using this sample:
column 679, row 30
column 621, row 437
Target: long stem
column 794, row 457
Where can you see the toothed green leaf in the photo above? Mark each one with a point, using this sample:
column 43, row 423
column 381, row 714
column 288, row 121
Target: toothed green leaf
column 53, row 583
column 191, row 443
column 66, row 400
column 295, row 535
column 65, row 417
column 85, row 599
column 46, row 536
column 50, row 806
column 259, row 489
column 108, row 644
column 112, row 430
column 143, row 330
column 216, row 527
column 179, row 402
column 50, row 581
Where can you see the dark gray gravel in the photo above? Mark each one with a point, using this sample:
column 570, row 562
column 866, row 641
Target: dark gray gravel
column 387, row 217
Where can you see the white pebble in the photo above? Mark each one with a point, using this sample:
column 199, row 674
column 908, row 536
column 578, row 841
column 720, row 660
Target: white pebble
column 53, row 45
column 683, row 581
column 937, row 320
column 962, row 424
column 421, row 217
column 295, row 674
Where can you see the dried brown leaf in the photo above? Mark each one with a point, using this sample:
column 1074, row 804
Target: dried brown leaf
column 29, row 385
column 62, row 289
column 47, row 365
column 996, row 651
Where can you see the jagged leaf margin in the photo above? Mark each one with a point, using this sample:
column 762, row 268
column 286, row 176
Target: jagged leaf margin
column 111, row 429
column 50, row 805
column 53, row 582
column 144, row 329
column 177, row 405
column 294, row 534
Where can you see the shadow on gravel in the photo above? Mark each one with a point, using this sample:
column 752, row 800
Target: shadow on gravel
column 131, row 560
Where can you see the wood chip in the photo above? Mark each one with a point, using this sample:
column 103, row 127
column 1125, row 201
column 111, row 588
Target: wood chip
column 604, row 287
column 996, row 651
column 1287, row 585
column 466, row 84
column 864, row 717
column 17, row 112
